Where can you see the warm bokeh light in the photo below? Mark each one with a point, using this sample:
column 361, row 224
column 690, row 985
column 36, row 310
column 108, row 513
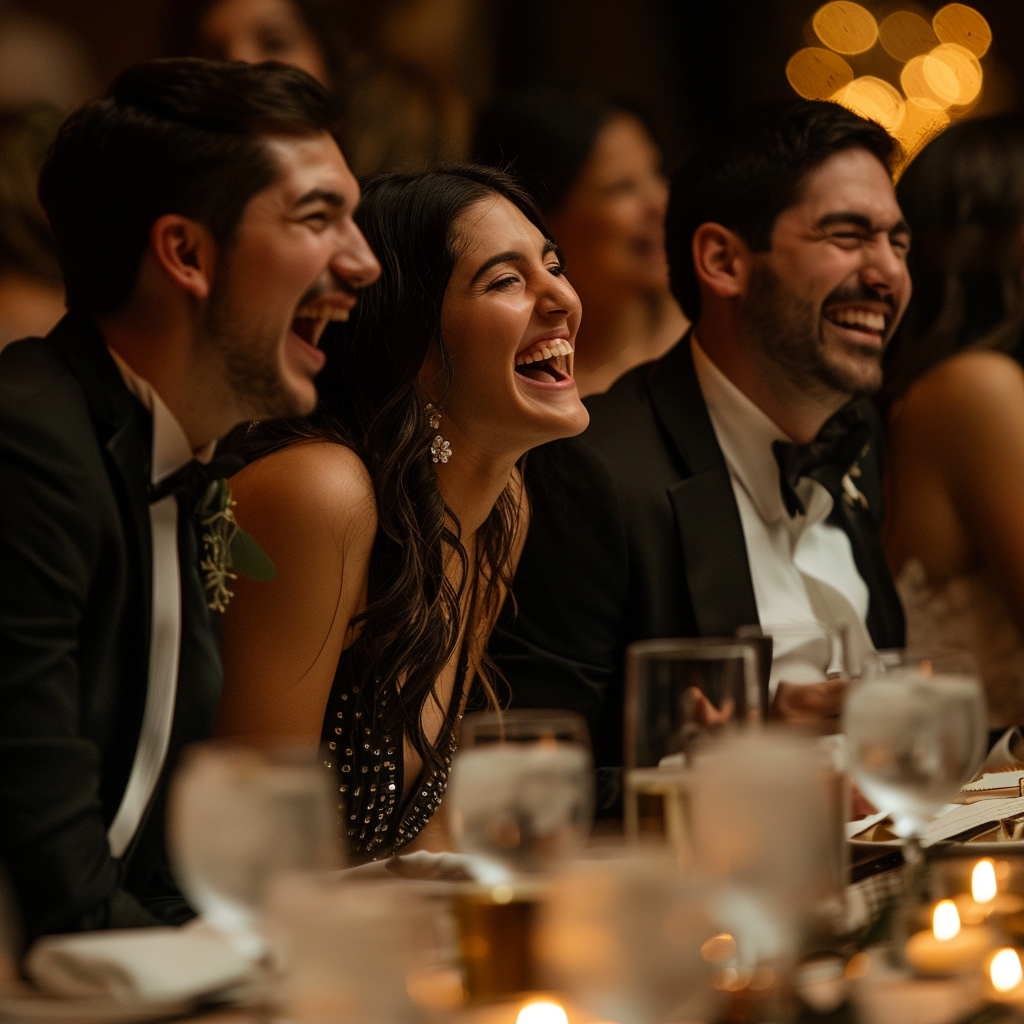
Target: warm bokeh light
column 542, row 1012
column 874, row 98
column 816, row 73
column 718, row 948
column 983, row 881
column 858, row 965
column 919, row 126
column 846, row 27
column 915, row 85
column 958, row 23
column 945, row 920
column 953, row 73
column 1005, row 970
column 905, row 35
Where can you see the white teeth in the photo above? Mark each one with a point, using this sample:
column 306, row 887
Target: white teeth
column 860, row 318
column 546, row 350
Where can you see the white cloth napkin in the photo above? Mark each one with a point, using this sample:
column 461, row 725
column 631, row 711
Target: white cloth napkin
column 138, row 964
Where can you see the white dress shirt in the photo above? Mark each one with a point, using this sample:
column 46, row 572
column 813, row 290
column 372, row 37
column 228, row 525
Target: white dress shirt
column 170, row 452
column 802, row 568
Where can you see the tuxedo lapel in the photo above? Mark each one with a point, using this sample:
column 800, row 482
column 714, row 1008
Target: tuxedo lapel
column 123, row 428
column 707, row 518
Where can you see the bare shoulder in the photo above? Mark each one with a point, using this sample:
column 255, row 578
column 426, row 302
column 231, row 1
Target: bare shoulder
column 313, row 485
column 967, row 384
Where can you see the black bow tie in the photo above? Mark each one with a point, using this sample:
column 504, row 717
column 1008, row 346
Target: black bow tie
column 827, row 459
column 194, row 478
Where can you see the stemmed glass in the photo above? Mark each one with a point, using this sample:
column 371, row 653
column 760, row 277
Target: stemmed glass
column 915, row 729
column 240, row 816
column 521, row 787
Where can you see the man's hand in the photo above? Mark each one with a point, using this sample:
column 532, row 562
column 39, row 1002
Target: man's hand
column 700, row 710
column 816, row 704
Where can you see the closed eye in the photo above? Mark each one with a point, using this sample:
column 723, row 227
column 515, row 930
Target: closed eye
column 502, row 283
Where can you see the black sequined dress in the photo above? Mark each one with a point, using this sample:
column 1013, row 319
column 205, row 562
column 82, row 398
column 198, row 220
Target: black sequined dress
column 376, row 818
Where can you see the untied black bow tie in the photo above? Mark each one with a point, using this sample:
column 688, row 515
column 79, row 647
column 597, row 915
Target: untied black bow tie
column 828, row 458
column 194, row 478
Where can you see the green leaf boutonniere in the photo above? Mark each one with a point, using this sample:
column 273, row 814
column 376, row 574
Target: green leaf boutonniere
column 226, row 547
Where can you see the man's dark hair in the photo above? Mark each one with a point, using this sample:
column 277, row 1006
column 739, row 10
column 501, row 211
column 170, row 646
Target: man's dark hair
column 746, row 169
column 171, row 136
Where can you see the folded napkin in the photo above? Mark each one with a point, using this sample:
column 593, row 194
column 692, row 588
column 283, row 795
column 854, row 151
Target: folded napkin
column 138, row 964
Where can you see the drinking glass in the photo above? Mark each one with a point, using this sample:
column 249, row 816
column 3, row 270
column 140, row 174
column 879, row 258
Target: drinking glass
column 678, row 691
column 239, row 816
column 631, row 939
column 521, row 791
column 915, row 729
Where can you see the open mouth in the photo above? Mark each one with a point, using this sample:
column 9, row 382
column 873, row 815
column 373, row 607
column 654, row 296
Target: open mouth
column 869, row 322
column 549, row 361
column 312, row 317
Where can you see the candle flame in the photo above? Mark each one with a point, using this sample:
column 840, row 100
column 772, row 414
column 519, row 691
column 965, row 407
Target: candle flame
column 543, row 1012
column 983, row 881
column 1005, row 970
column 945, row 920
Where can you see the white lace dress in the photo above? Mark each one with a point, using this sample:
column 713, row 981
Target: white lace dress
column 968, row 613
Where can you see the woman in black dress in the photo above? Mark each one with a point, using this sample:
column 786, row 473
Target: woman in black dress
column 394, row 515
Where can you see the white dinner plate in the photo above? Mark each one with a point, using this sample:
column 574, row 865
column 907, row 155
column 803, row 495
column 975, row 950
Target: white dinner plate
column 32, row 1006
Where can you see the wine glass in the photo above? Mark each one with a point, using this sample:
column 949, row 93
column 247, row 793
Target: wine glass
column 915, row 729
column 238, row 817
column 521, row 791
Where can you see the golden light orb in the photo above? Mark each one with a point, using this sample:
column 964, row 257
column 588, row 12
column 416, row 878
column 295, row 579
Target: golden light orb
column 915, row 85
column 816, row 73
column 983, row 881
column 874, row 99
column 542, row 1012
column 945, row 921
column 905, row 35
column 919, row 126
column 1005, row 970
column 953, row 73
column 958, row 23
column 845, row 27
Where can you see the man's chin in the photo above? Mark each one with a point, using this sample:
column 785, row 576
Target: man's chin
column 856, row 376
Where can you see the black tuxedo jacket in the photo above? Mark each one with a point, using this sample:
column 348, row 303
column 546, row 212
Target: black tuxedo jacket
column 75, row 595
column 635, row 534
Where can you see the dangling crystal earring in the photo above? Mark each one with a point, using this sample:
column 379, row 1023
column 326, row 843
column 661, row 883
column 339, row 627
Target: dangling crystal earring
column 440, row 449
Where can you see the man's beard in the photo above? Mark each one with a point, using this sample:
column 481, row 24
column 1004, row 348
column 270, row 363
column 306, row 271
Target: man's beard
column 250, row 355
column 788, row 330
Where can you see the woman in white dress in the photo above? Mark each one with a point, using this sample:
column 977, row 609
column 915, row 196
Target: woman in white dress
column 954, row 396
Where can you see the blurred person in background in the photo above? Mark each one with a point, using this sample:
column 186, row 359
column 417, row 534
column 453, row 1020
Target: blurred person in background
column 596, row 170
column 954, row 395
column 31, row 292
column 395, row 116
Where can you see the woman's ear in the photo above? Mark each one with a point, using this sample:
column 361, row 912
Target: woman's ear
column 721, row 260
column 186, row 252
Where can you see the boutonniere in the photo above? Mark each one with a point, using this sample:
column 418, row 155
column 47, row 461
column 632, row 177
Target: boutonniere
column 851, row 492
column 226, row 547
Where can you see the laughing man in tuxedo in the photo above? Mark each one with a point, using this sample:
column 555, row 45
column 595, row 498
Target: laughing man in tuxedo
column 202, row 214
column 735, row 480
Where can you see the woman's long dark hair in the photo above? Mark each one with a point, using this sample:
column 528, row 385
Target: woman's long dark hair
column 372, row 402
column 963, row 197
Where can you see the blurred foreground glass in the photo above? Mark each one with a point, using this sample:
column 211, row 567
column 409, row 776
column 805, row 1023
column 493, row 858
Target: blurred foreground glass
column 238, row 817
column 624, row 937
column 360, row 952
column 767, row 815
column 808, row 666
column 916, row 726
column 521, row 790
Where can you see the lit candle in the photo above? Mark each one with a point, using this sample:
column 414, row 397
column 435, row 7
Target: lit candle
column 948, row 948
column 1007, row 977
column 985, row 899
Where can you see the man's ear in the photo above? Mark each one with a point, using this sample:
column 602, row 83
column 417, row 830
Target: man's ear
column 186, row 252
column 721, row 260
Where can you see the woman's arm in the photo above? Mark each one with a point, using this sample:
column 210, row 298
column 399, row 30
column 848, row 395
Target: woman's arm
column 311, row 508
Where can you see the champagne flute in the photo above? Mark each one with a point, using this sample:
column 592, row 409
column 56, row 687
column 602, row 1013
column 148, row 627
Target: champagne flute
column 915, row 728
column 521, row 791
column 239, row 816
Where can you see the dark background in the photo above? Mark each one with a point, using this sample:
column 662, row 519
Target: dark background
column 686, row 60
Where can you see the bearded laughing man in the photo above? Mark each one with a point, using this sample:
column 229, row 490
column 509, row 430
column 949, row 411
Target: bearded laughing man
column 734, row 481
column 202, row 215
